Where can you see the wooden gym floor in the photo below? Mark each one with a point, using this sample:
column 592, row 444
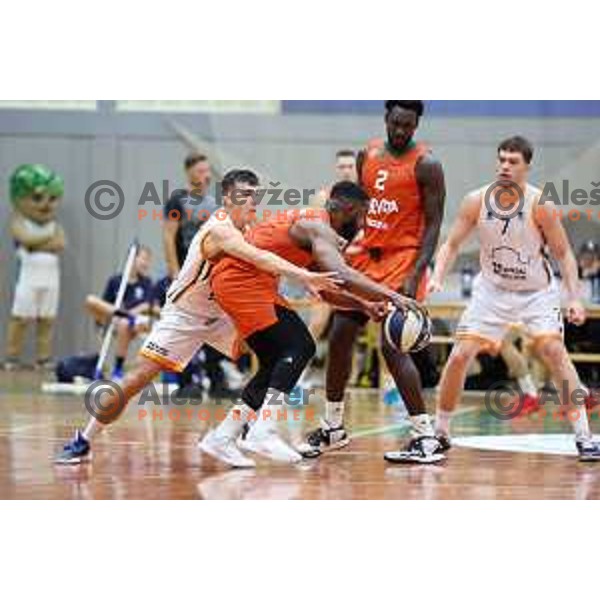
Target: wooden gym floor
column 139, row 458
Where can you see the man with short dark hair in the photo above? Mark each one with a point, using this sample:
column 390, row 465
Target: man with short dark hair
column 186, row 211
column 191, row 316
column 345, row 165
column 515, row 285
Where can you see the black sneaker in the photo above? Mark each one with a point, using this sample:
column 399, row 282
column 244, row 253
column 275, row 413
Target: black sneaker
column 589, row 451
column 78, row 450
column 324, row 439
column 423, row 450
column 444, row 442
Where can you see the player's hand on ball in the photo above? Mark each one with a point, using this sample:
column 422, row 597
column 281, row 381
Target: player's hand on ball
column 376, row 310
column 576, row 312
column 403, row 302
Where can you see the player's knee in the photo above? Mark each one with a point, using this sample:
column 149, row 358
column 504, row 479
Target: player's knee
column 462, row 354
column 552, row 352
column 342, row 337
column 304, row 351
column 309, row 348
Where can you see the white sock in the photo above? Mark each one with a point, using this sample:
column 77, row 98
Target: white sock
column 581, row 425
column 233, row 424
column 527, row 385
column 442, row 421
column 334, row 414
column 274, row 409
column 422, row 426
column 92, row 428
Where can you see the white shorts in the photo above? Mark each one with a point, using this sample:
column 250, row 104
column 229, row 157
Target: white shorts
column 493, row 310
column 35, row 300
column 175, row 339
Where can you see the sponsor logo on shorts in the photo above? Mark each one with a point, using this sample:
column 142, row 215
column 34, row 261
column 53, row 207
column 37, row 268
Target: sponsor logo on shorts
column 156, row 349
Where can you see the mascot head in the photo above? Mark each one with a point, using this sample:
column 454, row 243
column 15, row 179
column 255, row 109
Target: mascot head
column 35, row 192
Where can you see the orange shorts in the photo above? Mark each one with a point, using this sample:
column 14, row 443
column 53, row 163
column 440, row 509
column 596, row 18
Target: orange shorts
column 249, row 300
column 389, row 267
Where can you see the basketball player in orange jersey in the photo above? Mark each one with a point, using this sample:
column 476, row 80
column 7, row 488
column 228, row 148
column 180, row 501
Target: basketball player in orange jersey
column 405, row 184
column 515, row 285
column 191, row 317
column 274, row 332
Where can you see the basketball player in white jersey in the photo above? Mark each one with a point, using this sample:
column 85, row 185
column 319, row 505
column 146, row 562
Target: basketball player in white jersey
column 190, row 317
column 515, row 286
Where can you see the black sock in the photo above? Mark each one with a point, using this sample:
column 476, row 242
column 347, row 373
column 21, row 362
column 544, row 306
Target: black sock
column 119, row 362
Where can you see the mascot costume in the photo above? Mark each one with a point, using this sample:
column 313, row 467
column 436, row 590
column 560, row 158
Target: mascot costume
column 35, row 194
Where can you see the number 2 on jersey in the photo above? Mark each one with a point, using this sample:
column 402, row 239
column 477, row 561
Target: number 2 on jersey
column 382, row 176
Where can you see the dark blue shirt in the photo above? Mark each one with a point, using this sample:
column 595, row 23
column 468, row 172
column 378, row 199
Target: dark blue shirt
column 135, row 293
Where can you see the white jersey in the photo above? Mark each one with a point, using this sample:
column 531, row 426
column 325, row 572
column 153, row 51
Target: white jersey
column 512, row 249
column 191, row 290
column 190, row 317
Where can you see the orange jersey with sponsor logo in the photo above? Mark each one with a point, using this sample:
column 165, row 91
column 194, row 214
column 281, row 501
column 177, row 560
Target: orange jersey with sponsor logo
column 245, row 292
column 396, row 218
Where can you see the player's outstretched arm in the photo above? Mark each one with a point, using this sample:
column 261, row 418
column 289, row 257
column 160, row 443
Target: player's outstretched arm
column 345, row 301
column 556, row 238
column 232, row 242
column 465, row 223
column 325, row 250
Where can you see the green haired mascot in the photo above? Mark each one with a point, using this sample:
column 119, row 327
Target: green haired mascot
column 35, row 193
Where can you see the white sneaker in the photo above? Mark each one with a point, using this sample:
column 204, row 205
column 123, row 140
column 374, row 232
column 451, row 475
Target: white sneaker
column 233, row 376
column 225, row 449
column 266, row 441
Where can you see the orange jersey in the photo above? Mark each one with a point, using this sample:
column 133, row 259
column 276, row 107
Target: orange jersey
column 248, row 294
column 396, row 219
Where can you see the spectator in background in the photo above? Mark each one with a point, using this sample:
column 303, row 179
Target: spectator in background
column 588, row 262
column 345, row 170
column 586, row 338
column 133, row 316
column 186, row 211
column 345, row 166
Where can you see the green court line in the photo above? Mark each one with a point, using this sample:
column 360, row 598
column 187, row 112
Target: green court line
column 404, row 426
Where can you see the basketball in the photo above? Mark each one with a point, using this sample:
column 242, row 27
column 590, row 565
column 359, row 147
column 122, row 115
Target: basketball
column 408, row 330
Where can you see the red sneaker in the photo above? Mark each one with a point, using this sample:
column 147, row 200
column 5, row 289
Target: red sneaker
column 592, row 402
column 531, row 404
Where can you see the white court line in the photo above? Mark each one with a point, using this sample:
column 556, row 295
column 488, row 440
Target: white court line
column 20, row 428
column 406, row 423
